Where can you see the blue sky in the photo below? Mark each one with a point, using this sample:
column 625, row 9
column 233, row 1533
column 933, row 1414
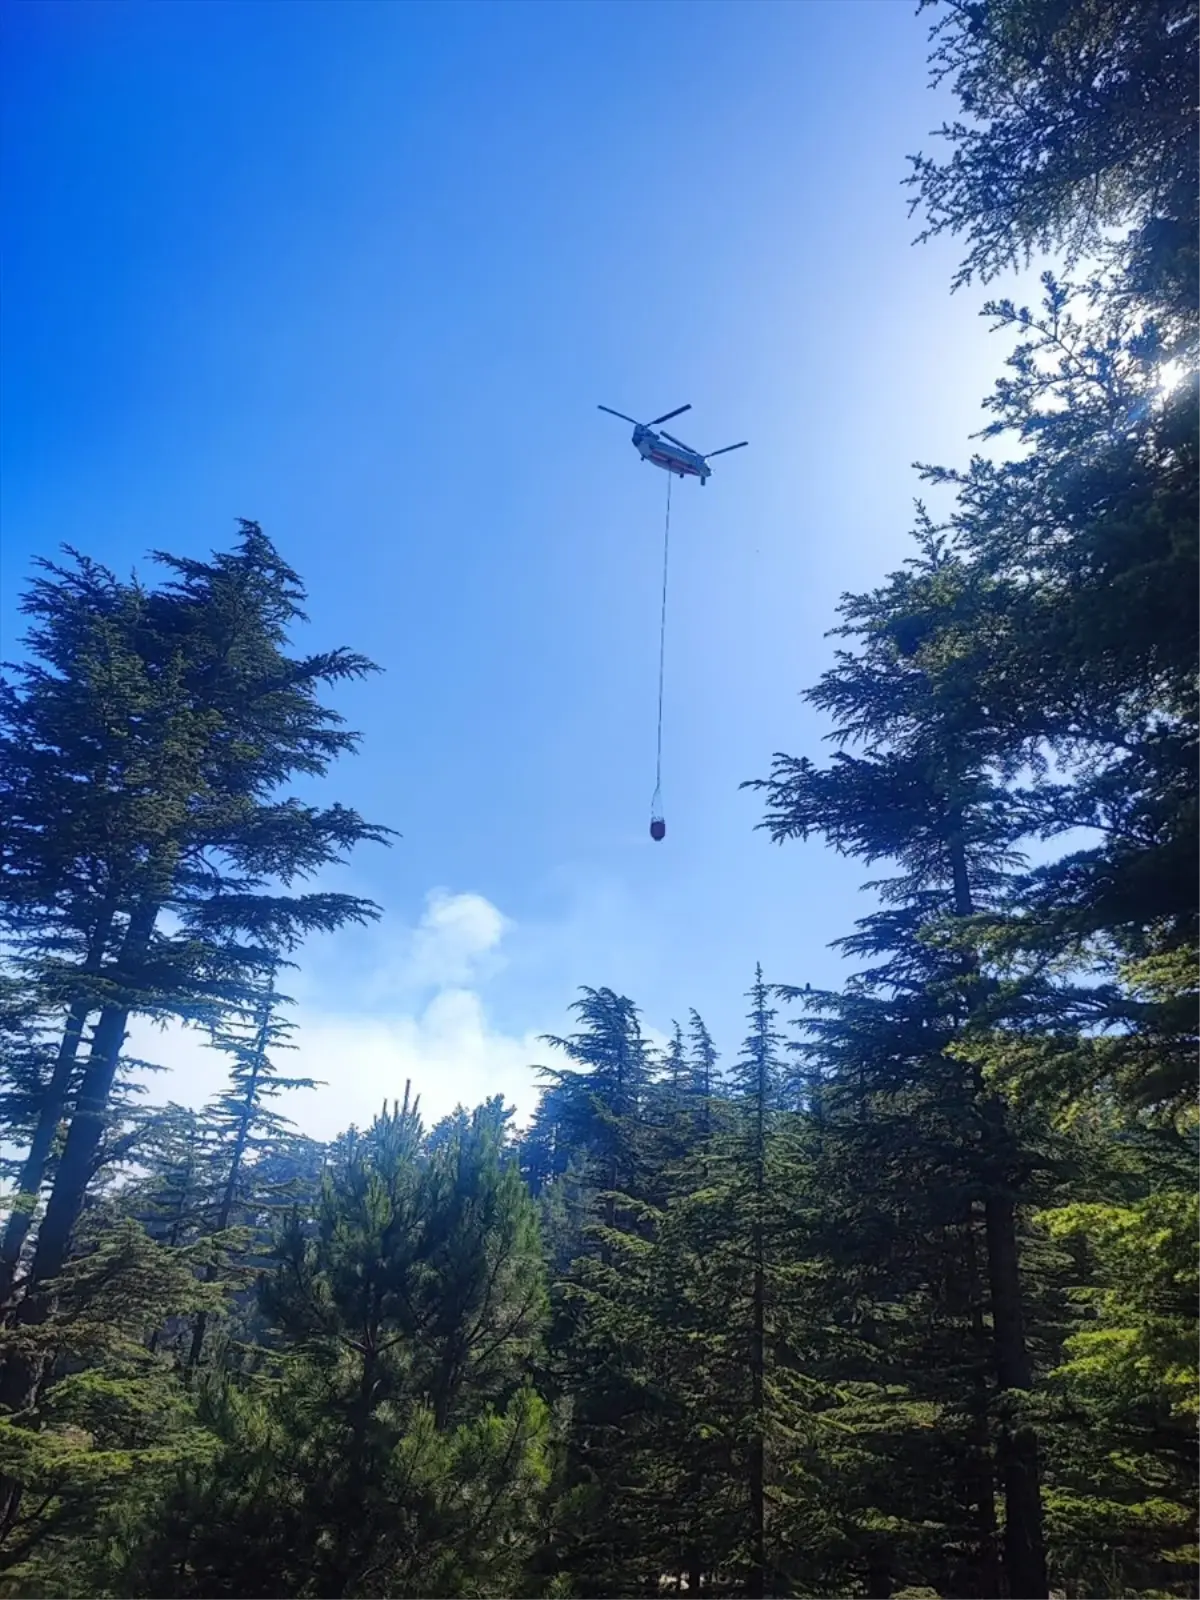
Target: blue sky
column 362, row 270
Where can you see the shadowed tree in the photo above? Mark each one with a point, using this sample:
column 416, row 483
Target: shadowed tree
column 146, row 742
column 1078, row 120
column 922, row 790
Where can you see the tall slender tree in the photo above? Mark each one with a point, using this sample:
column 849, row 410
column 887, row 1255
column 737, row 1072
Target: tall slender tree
column 79, row 820
column 599, row 1102
column 178, row 715
column 243, row 1122
column 146, row 740
column 756, row 1078
column 927, row 790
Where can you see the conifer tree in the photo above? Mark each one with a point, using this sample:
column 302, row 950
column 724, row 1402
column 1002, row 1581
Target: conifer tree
column 242, row 1123
column 146, row 741
column 117, row 1422
column 674, row 1066
column 744, row 1223
column 1078, row 135
column 755, row 1077
column 600, row 1104
column 1076, row 625
column 702, row 1079
column 145, row 744
column 927, row 790
column 169, row 1200
column 592, row 1150
column 398, row 1448
column 898, row 1276
column 77, row 819
column 683, row 1346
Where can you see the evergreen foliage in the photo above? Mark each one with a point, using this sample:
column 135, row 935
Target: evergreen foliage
column 1078, row 117
column 904, row 1301
column 143, row 744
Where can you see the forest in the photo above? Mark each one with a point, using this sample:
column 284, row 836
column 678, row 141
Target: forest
column 896, row 1299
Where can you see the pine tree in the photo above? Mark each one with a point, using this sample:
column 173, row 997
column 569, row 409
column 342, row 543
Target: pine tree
column 77, row 821
column 599, row 1106
column 152, row 729
column 1124, row 1487
column 899, row 1250
column 744, row 1226
column 177, row 715
column 398, row 1448
column 242, row 1123
column 756, row 1080
column 681, row 1342
column 591, row 1153
column 1078, row 574
column 1078, row 135
column 927, row 790
column 118, row 1419
column 702, row 1082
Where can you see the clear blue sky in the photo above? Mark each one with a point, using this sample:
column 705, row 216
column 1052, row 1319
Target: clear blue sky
column 362, row 271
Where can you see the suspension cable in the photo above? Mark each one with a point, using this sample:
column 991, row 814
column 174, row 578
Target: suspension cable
column 662, row 652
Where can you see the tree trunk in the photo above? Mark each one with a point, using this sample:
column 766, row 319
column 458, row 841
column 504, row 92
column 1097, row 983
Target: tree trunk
column 23, row 1376
column 757, row 1578
column 235, row 1171
column 982, row 1476
column 54, row 1102
column 880, row 1583
column 756, row 1582
column 34, row 1169
column 1024, row 1542
column 79, row 1153
column 1024, row 1545
column 87, row 1123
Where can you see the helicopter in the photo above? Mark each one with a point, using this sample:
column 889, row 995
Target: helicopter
column 674, row 455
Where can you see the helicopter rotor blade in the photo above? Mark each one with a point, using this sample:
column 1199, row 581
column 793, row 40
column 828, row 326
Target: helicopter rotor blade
column 725, row 449
column 667, row 415
column 679, row 442
column 620, row 414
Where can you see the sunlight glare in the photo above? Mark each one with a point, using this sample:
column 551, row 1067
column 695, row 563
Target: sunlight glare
column 1170, row 375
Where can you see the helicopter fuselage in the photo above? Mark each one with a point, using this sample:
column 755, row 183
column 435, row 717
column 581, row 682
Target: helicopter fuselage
column 660, row 452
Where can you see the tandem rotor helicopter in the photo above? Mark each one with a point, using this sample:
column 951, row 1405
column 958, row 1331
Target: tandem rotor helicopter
column 680, row 460
column 673, row 455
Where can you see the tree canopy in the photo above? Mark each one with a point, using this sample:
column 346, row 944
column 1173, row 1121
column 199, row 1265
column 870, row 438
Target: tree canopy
column 899, row 1298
